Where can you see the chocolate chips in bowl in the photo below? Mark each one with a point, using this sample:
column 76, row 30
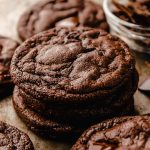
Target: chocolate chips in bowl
column 130, row 20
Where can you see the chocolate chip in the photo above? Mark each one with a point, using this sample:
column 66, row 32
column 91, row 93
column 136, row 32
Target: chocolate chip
column 134, row 11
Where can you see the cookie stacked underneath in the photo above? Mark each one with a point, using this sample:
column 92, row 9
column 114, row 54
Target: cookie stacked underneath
column 68, row 79
column 7, row 48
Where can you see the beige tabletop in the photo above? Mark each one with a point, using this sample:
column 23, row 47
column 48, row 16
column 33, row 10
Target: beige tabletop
column 10, row 11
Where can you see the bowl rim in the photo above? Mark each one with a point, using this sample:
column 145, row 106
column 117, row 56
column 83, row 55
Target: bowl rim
column 109, row 13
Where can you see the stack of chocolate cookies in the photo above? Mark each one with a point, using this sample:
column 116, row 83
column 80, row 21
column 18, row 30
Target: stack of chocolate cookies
column 70, row 78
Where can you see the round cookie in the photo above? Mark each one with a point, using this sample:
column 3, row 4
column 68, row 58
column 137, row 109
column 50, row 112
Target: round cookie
column 11, row 138
column 63, row 13
column 119, row 97
column 117, row 133
column 72, row 65
column 7, row 48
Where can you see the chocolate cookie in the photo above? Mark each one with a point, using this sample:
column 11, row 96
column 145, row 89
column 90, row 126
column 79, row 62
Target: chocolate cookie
column 42, row 126
column 7, row 48
column 75, row 65
column 69, row 75
column 98, row 110
column 86, row 115
column 13, row 139
column 117, row 133
column 63, row 13
column 50, row 128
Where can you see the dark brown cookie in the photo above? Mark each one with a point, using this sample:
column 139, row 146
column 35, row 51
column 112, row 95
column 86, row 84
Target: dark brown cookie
column 63, row 13
column 42, row 126
column 49, row 128
column 7, row 48
column 13, row 139
column 72, row 65
column 86, row 115
column 117, row 134
column 87, row 112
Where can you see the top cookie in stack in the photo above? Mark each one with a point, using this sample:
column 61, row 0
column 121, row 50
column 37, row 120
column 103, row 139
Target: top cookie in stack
column 63, row 13
column 70, row 78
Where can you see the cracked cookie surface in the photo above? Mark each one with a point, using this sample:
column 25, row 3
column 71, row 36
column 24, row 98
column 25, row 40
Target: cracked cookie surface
column 63, row 13
column 11, row 138
column 130, row 133
column 73, row 63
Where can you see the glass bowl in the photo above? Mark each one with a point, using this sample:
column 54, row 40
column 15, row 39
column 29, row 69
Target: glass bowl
column 136, row 36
